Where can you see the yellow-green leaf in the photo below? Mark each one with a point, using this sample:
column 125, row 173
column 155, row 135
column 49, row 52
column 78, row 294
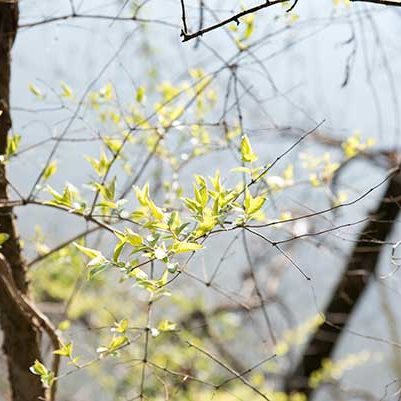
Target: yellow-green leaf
column 92, row 253
column 39, row 369
column 117, row 342
column 140, row 94
column 181, row 247
column 66, row 91
column 3, row 238
column 51, row 169
column 166, row 325
column 248, row 156
column 35, row 91
column 133, row 238
column 65, row 350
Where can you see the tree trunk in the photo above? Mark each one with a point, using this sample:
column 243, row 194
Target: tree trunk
column 21, row 336
column 354, row 282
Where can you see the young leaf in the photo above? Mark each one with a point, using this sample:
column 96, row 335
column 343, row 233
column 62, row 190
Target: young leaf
column 64, row 325
column 166, row 325
column 133, row 238
column 181, row 247
column 3, row 238
column 91, row 253
column 65, row 350
column 50, row 170
column 118, row 249
column 39, row 369
column 121, row 326
column 252, row 205
column 66, row 91
column 248, row 156
column 35, row 91
column 117, row 342
column 97, row 268
column 13, row 142
column 140, row 94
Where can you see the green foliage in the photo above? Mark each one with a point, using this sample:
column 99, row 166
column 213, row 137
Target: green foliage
column 3, row 238
column 121, row 291
column 46, row 376
column 13, row 142
column 248, row 155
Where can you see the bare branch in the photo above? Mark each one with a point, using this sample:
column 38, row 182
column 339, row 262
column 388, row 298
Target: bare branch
column 235, row 18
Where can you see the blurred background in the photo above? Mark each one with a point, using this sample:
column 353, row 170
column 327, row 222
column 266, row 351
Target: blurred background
column 332, row 62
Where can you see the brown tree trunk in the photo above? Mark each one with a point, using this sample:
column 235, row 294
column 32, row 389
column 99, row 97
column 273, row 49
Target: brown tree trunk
column 21, row 336
column 354, row 282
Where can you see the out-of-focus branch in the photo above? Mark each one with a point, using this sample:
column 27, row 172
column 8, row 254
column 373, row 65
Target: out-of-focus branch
column 362, row 264
column 94, row 17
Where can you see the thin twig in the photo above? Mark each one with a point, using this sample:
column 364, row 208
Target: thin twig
column 235, row 18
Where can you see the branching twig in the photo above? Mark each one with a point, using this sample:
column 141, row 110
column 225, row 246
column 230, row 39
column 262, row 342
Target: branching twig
column 235, row 18
column 382, row 2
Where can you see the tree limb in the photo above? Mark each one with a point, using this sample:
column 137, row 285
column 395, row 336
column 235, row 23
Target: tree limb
column 362, row 264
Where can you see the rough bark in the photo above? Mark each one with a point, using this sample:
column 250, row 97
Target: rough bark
column 361, row 266
column 21, row 336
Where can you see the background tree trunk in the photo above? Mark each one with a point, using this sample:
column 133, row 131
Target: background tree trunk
column 21, row 336
column 361, row 266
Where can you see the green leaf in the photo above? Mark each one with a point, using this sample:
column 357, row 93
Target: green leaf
column 118, row 249
column 66, row 91
column 141, row 194
column 97, row 268
column 181, row 247
column 249, row 23
column 121, row 326
column 64, row 325
column 92, row 253
column 39, row 369
column 67, row 199
column 166, row 325
column 117, row 342
column 192, row 204
column 35, row 91
column 248, row 156
column 246, row 170
column 51, row 169
column 110, row 190
column 156, row 212
column 133, row 238
column 174, row 222
column 253, row 205
column 48, row 379
column 13, row 142
column 207, row 223
column 140, row 94
column 3, row 238
column 107, row 92
column 101, row 166
column 144, row 199
column 65, row 350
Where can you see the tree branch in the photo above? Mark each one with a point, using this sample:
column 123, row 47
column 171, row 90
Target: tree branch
column 362, row 264
column 381, row 2
column 235, row 18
